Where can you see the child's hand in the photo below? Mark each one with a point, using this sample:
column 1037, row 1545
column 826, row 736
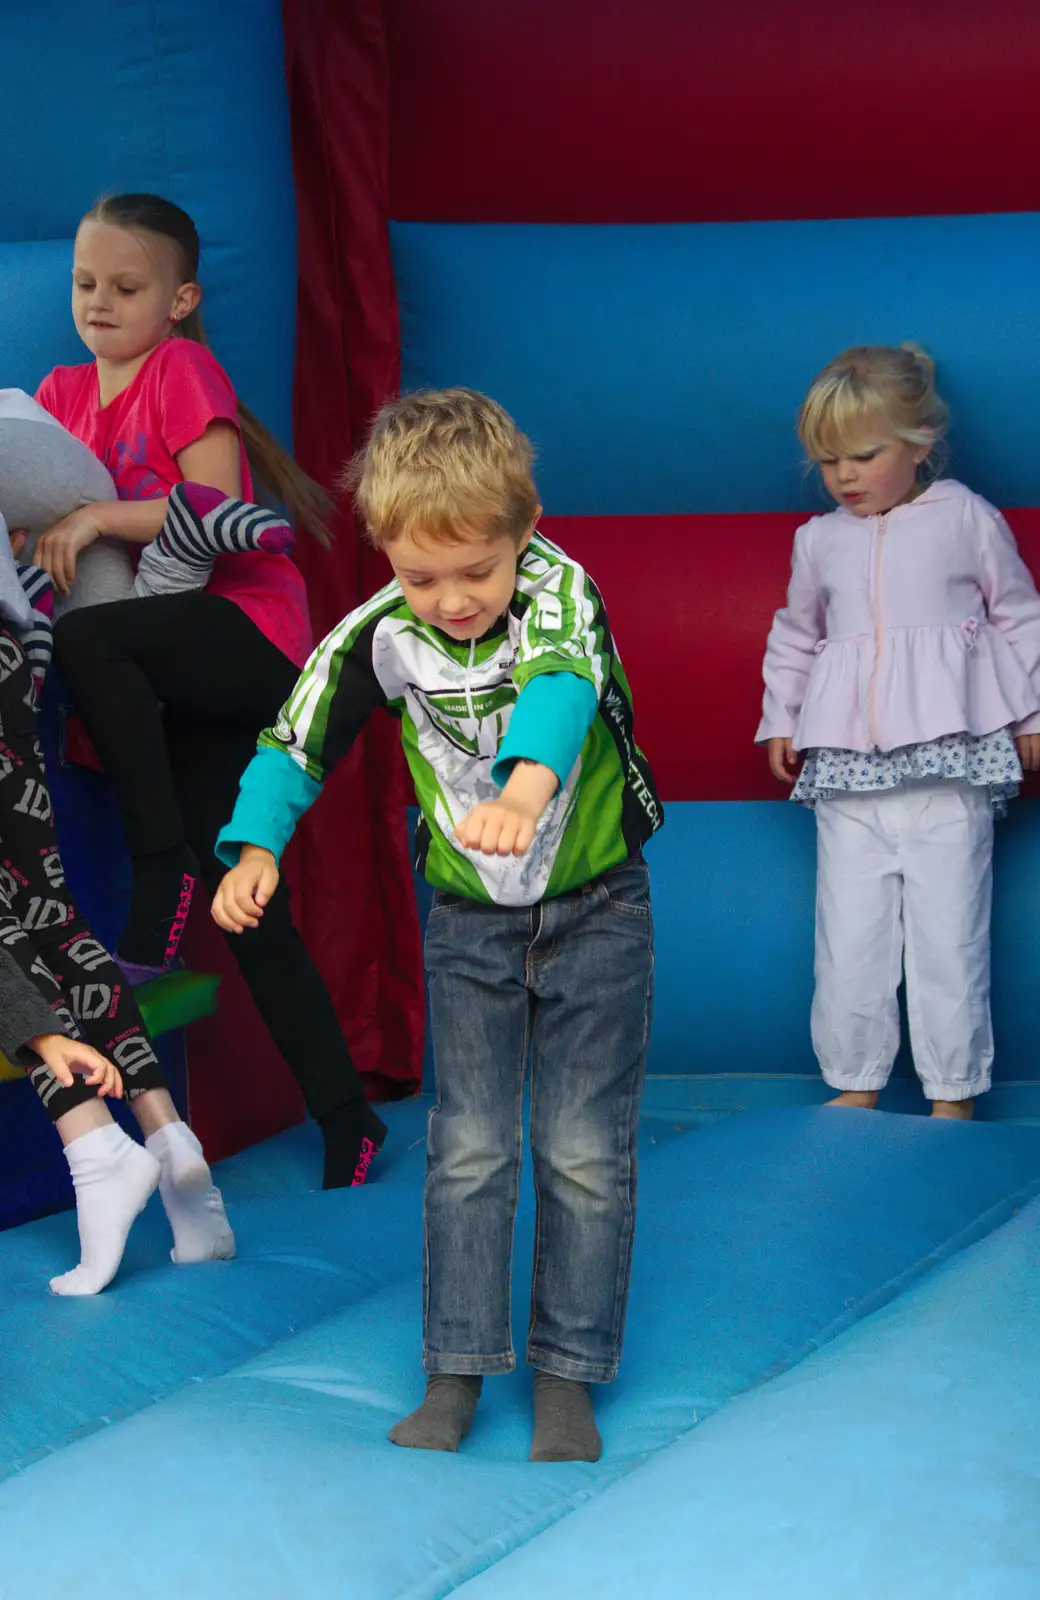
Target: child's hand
column 58, row 550
column 67, row 1056
column 1029, row 751
column 784, row 760
column 17, row 538
column 239, row 902
column 506, row 826
column 497, row 828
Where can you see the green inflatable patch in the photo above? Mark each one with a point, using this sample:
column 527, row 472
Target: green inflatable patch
column 176, row 999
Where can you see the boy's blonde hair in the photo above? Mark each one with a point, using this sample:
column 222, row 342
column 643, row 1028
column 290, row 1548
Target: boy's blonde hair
column 444, row 465
column 868, row 387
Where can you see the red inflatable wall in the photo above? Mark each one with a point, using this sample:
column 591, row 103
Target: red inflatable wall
column 678, row 111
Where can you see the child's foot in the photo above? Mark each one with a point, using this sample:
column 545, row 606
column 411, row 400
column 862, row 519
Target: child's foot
column 445, row 1416
column 354, row 1136
column 193, row 1205
column 202, row 524
column 954, row 1110
column 113, row 1178
column 564, row 1425
column 866, row 1099
column 206, row 523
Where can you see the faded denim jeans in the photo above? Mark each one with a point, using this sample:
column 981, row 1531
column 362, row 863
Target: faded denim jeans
column 569, row 983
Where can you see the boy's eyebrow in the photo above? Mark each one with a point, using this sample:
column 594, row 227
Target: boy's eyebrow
column 481, row 561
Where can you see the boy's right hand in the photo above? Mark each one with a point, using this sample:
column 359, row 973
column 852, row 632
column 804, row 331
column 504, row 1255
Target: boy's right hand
column 67, row 1056
column 784, row 760
column 239, row 902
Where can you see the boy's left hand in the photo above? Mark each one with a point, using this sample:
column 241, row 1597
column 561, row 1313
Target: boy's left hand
column 58, row 549
column 1029, row 751
column 506, row 826
column 497, row 828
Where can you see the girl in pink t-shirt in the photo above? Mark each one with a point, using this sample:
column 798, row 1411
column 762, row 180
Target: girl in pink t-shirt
column 175, row 688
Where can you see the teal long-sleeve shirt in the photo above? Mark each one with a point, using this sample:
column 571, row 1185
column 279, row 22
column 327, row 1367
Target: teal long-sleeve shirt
column 551, row 717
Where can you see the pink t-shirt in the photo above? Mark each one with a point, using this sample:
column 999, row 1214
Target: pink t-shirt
column 178, row 392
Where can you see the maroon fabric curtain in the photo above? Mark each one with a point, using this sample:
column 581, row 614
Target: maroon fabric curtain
column 352, row 867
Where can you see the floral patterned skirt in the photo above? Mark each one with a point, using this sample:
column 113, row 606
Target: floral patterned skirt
column 989, row 760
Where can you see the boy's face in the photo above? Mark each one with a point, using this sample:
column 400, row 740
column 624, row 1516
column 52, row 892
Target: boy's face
column 462, row 588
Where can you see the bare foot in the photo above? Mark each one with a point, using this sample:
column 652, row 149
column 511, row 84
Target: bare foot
column 866, row 1099
column 955, row 1110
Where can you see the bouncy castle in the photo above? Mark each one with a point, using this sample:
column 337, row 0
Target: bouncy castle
column 642, row 226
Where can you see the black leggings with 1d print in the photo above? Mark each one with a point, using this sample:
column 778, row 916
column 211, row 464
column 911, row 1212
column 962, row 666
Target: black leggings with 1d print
column 39, row 925
column 174, row 691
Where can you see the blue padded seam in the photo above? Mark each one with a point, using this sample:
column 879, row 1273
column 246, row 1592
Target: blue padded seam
column 988, row 1223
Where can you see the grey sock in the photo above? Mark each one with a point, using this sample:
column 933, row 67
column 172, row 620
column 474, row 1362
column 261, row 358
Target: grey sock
column 444, row 1417
column 564, row 1426
column 202, row 524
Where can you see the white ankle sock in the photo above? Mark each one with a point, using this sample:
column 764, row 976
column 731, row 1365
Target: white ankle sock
column 113, row 1178
column 194, row 1206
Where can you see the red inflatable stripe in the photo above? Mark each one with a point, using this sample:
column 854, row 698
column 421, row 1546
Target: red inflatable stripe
column 670, row 111
column 690, row 602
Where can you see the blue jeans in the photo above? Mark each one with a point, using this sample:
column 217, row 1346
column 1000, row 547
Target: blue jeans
column 570, row 982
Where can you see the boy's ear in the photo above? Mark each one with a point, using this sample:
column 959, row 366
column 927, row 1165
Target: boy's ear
column 526, row 540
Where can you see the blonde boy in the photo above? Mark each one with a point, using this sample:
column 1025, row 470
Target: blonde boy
column 495, row 651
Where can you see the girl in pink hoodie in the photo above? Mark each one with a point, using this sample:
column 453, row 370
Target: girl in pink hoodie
column 902, row 701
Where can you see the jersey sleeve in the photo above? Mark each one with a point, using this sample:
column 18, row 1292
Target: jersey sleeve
column 195, row 391
column 550, row 720
column 564, row 627
column 336, row 693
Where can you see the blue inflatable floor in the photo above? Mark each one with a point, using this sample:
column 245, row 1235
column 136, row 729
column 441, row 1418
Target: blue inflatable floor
column 829, row 1388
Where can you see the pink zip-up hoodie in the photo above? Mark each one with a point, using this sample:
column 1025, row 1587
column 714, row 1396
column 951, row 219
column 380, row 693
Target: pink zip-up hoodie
column 901, row 628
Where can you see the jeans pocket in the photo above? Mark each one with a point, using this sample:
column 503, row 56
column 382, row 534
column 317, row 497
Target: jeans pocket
column 628, row 888
column 445, row 904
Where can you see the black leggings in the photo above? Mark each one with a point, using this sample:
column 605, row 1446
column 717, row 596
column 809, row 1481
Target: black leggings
column 39, row 925
column 175, row 773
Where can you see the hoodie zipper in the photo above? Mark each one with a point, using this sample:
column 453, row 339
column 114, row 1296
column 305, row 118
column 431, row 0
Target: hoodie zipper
column 879, row 634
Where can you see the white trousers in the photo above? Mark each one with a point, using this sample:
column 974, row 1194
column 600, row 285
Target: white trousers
column 905, row 875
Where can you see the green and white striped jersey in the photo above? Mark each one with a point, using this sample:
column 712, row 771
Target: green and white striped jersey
column 455, row 700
